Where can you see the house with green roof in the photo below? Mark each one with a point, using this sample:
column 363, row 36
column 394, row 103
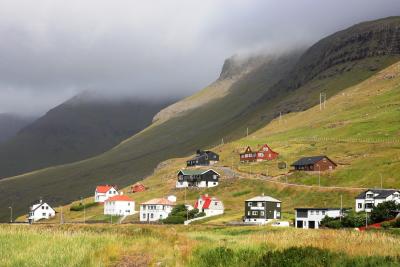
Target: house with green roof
column 197, row 178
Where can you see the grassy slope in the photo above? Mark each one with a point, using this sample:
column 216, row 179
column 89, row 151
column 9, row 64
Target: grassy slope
column 344, row 119
column 252, row 102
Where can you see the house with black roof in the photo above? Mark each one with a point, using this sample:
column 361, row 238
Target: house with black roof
column 370, row 198
column 316, row 163
column 203, row 158
column 197, row 178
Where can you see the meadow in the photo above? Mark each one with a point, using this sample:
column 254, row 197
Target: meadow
column 154, row 245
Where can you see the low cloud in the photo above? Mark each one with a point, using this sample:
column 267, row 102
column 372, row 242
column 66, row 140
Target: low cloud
column 51, row 50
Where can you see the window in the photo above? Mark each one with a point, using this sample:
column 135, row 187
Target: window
column 311, row 212
column 278, row 205
column 152, row 215
column 254, row 213
column 278, row 214
column 262, row 213
column 323, row 212
column 215, row 183
column 144, row 216
column 317, row 212
column 248, row 213
column 360, row 205
column 43, row 214
column 250, row 204
column 215, row 176
column 47, row 207
column 42, row 207
column 129, row 203
column 259, row 204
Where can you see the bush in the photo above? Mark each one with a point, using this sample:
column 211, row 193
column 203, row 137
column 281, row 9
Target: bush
column 334, row 224
column 395, row 223
column 384, row 211
column 353, row 219
column 80, row 206
column 386, row 225
column 173, row 219
column 180, row 214
column 200, row 214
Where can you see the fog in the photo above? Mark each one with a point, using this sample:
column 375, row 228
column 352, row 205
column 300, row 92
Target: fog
column 51, row 50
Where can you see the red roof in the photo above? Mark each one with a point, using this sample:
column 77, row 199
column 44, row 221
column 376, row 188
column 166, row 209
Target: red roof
column 119, row 198
column 103, row 188
column 207, row 201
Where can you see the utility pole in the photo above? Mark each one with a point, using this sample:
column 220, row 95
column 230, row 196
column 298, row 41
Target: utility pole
column 366, row 219
column 61, row 216
column 319, row 176
column 381, row 181
column 222, row 141
column 322, row 100
column 247, row 131
column 84, row 210
column 280, row 117
column 11, row 214
column 341, row 207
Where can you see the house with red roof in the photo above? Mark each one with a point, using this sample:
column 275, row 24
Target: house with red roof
column 104, row 192
column 156, row 209
column 264, row 153
column 211, row 206
column 120, row 205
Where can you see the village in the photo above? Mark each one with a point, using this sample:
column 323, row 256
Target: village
column 258, row 210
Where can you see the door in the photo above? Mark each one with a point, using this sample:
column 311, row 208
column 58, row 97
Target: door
column 299, row 224
column 311, row 224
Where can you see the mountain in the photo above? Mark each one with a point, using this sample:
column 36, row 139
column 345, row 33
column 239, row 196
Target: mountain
column 10, row 124
column 83, row 126
column 251, row 101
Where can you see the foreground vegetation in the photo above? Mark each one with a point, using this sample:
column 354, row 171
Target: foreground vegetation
column 146, row 245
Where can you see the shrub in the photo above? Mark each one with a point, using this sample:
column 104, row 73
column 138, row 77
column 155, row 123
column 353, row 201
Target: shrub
column 334, row 224
column 395, row 223
column 241, row 193
column 200, row 214
column 80, row 206
column 173, row 219
column 384, row 211
column 353, row 219
column 386, row 225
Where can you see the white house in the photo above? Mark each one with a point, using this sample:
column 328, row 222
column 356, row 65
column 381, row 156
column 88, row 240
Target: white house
column 156, row 209
column 372, row 197
column 119, row 205
column 311, row 217
column 103, row 192
column 40, row 211
column 209, row 205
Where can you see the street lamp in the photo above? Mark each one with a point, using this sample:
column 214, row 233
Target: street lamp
column 319, row 175
column 11, row 214
column 84, row 210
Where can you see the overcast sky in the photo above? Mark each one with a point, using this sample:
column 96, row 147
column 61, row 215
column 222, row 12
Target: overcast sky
column 51, row 50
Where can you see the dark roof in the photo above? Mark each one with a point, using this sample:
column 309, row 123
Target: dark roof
column 382, row 193
column 310, row 160
column 321, row 208
column 195, row 172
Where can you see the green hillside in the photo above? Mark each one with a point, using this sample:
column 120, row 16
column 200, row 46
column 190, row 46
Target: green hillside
column 363, row 144
column 253, row 101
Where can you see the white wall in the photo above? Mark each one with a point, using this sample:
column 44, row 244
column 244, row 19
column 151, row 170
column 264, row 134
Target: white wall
column 153, row 213
column 43, row 212
column 101, row 197
column 120, row 208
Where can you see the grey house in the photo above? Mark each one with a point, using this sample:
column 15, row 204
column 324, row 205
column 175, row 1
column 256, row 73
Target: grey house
column 203, row 158
column 262, row 209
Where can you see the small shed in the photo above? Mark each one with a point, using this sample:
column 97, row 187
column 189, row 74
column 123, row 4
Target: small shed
column 138, row 187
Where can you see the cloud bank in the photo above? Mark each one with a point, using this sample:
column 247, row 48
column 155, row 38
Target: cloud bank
column 51, row 50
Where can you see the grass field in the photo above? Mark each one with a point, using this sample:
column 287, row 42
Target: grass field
column 128, row 245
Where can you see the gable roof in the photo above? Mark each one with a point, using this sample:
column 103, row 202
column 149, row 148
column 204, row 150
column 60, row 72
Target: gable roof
column 159, row 201
column 310, row 160
column 248, row 150
column 269, row 148
column 195, row 171
column 119, row 198
column 264, row 198
column 207, row 201
column 104, row 188
column 41, row 204
column 382, row 193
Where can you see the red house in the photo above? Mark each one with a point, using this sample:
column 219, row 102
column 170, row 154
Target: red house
column 248, row 155
column 138, row 187
column 266, row 153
